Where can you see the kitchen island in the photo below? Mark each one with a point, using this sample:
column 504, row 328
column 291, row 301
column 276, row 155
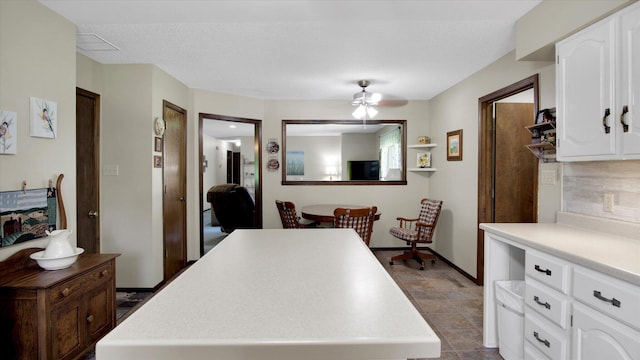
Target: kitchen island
column 278, row 294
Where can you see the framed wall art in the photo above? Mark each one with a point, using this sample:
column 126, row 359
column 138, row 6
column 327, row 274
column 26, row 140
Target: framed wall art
column 157, row 144
column 44, row 118
column 157, row 161
column 454, row 145
column 8, row 132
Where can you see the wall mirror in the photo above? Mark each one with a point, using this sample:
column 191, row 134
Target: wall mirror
column 344, row 152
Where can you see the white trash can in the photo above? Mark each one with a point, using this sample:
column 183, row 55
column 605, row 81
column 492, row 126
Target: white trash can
column 510, row 302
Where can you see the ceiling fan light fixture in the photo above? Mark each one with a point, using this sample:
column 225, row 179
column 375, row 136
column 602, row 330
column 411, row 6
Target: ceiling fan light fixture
column 364, row 101
column 359, row 112
column 371, row 111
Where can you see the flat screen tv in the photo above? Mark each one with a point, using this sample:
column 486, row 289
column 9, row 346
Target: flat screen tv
column 363, row 170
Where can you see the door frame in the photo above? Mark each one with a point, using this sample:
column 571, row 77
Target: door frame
column 257, row 145
column 486, row 161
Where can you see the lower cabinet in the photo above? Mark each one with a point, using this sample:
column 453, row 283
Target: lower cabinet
column 598, row 337
column 57, row 314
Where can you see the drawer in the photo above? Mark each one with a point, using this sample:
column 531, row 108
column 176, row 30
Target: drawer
column 550, row 303
column 81, row 284
column 531, row 353
column 545, row 336
column 616, row 298
column 548, row 270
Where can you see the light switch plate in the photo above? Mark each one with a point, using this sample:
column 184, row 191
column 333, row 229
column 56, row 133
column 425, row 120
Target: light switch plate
column 111, row 170
column 548, row 177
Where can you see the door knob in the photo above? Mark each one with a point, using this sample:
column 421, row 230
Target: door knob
column 92, row 213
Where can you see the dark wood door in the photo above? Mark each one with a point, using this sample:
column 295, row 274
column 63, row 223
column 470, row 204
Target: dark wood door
column 515, row 175
column 175, row 185
column 88, row 169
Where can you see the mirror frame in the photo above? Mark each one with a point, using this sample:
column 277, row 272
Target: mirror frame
column 283, row 167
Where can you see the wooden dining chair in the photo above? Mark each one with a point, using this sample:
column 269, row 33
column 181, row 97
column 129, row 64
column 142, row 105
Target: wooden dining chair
column 289, row 216
column 418, row 231
column 359, row 219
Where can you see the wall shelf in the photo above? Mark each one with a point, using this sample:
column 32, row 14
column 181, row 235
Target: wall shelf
column 422, row 169
column 543, row 136
column 426, row 147
column 421, row 146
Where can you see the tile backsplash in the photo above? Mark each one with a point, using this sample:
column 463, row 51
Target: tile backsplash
column 584, row 185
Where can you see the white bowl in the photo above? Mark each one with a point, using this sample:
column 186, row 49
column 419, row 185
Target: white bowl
column 56, row 263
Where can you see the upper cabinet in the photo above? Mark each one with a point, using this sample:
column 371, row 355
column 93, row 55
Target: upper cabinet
column 597, row 117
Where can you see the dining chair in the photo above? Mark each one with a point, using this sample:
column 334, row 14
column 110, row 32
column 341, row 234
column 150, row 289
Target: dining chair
column 289, row 216
column 359, row 219
column 418, row 231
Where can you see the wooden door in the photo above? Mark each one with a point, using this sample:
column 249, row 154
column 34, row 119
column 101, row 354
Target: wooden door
column 515, row 166
column 175, row 189
column 88, row 169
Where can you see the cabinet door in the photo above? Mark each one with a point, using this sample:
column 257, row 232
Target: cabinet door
column 66, row 329
column 597, row 337
column 584, row 90
column 630, row 84
column 99, row 312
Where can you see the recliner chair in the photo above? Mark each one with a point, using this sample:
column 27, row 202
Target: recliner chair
column 233, row 206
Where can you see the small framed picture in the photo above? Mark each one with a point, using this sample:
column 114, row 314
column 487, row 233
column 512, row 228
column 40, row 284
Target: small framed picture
column 157, row 144
column 157, row 161
column 424, row 160
column 454, row 145
column 546, row 115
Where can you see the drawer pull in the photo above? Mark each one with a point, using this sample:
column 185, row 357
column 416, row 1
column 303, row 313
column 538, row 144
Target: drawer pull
column 607, row 128
column 104, row 273
column 90, row 318
column 546, row 271
column 615, row 302
column 65, row 292
column 545, row 342
column 545, row 304
column 625, row 126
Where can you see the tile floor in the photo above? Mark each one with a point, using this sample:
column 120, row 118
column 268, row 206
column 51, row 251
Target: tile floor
column 451, row 304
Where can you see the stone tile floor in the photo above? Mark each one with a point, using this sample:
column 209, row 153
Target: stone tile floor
column 450, row 302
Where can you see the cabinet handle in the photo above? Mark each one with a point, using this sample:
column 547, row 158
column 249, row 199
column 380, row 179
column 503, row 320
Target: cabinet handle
column 615, row 302
column 65, row 292
column 545, row 342
column 545, row 304
column 104, row 273
column 546, row 271
column 90, row 318
column 625, row 126
column 607, row 128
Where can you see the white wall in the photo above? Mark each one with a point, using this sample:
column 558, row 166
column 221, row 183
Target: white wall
column 319, row 153
column 38, row 58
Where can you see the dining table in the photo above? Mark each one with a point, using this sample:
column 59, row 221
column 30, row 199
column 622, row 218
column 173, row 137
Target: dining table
column 323, row 213
column 277, row 294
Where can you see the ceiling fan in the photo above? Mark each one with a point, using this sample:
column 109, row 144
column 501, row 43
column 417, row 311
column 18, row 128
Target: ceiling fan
column 365, row 101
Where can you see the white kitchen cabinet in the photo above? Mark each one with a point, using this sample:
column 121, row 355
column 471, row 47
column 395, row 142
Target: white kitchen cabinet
column 598, row 337
column 596, row 75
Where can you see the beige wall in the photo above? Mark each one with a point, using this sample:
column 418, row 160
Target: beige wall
column 552, row 20
column 456, row 182
column 38, row 58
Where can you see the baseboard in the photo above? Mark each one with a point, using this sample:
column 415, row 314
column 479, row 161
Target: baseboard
column 440, row 257
column 135, row 290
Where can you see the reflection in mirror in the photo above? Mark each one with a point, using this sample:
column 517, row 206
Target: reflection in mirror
column 346, row 152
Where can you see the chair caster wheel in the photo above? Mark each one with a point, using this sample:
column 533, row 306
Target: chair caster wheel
column 390, row 262
column 433, row 261
column 421, row 267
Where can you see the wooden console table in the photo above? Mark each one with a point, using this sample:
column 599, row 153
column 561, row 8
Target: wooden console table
column 57, row 314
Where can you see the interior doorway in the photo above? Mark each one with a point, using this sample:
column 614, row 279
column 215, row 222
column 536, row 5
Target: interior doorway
column 230, row 152
column 88, row 170
column 174, row 179
column 507, row 171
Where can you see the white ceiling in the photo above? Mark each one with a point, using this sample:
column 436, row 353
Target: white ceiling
column 303, row 49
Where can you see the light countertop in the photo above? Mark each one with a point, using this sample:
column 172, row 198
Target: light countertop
column 278, row 294
column 604, row 250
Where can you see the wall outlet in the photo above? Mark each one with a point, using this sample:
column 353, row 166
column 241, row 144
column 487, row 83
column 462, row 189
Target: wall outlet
column 608, row 202
column 111, row 170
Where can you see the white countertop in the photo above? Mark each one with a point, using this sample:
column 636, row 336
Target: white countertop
column 277, row 294
column 616, row 255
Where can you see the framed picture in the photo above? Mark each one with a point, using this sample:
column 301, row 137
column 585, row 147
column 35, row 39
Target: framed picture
column 8, row 132
column 44, row 118
column 157, row 161
column 157, row 145
column 546, row 115
column 454, row 145
column 424, row 160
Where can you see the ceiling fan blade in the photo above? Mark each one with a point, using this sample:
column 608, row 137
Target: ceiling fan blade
column 393, row 103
